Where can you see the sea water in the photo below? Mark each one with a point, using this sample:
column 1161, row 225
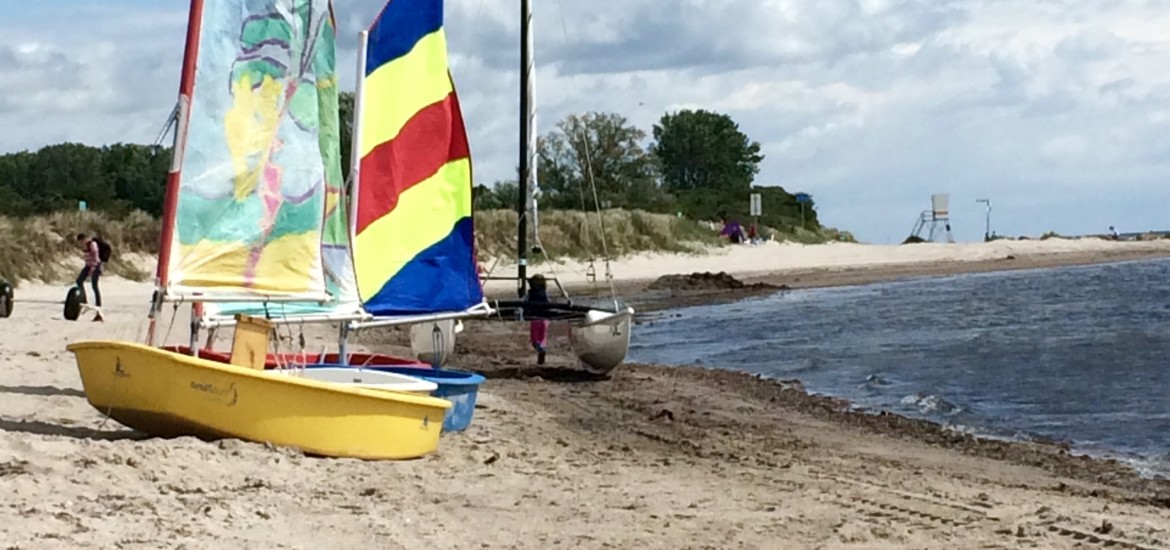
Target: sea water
column 1075, row 354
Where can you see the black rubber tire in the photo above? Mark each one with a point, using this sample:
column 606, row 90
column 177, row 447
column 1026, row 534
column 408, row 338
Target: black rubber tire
column 7, row 297
column 73, row 301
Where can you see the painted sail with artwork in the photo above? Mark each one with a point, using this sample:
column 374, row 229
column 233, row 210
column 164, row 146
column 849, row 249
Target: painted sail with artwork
column 414, row 237
column 335, row 244
column 260, row 165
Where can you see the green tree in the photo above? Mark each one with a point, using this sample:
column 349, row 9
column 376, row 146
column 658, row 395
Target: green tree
column 17, row 195
column 705, row 151
column 599, row 151
column 113, row 179
column 500, row 196
column 138, row 174
column 67, row 173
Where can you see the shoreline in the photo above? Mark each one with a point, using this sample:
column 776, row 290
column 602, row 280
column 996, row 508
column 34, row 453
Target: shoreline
column 771, row 283
column 764, row 284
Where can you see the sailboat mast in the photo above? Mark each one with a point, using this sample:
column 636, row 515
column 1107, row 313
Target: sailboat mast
column 171, row 200
column 526, row 118
column 186, row 89
column 356, row 135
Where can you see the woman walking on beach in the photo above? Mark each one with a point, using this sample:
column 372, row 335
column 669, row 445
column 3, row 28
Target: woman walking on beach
column 538, row 329
column 92, row 271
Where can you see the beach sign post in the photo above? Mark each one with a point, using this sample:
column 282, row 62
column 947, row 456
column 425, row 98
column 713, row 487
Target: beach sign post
column 757, row 209
column 803, row 199
column 987, row 231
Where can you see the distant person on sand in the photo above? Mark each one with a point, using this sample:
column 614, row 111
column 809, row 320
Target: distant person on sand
column 92, row 270
column 538, row 329
column 733, row 231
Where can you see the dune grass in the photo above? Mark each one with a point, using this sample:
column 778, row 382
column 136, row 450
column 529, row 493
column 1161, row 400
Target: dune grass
column 577, row 235
column 44, row 248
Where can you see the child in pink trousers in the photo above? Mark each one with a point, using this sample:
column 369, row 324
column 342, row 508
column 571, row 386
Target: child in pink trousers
column 538, row 329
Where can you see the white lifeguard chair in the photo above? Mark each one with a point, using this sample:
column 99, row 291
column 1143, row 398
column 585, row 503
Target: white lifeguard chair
column 938, row 216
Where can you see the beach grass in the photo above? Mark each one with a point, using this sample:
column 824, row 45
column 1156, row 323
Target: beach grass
column 44, row 248
column 576, row 235
column 39, row 248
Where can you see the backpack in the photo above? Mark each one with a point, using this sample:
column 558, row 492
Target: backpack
column 104, row 249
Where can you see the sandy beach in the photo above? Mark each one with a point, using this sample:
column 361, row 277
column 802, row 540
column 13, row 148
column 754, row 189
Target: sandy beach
column 649, row 457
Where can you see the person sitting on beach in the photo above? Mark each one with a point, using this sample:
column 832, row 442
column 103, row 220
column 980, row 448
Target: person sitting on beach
column 92, row 271
column 733, row 231
column 538, row 329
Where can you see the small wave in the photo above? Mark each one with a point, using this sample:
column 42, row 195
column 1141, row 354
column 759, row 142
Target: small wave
column 874, row 381
column 812, row 363
column 932, row 404
column 1157, row 467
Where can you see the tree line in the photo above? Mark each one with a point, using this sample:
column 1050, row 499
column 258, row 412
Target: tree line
column 698, row 163
column 115, row 179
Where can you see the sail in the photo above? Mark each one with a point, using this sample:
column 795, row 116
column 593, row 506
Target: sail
column 414, row 236
column 252, row 194
column 335, row 245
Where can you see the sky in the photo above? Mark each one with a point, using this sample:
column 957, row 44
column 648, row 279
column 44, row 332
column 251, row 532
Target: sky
column 1057, row 111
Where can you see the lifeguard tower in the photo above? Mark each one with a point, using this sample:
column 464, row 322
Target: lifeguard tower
column 938, row 218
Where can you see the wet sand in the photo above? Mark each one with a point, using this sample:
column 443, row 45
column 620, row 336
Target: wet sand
column 649, row 457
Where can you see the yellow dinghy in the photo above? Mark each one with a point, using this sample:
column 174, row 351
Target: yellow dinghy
column 168, row 394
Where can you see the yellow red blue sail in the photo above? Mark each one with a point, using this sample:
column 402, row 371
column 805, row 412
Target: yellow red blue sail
column 414, row 235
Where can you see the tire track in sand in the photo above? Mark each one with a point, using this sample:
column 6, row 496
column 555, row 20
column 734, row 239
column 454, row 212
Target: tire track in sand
column 879, row 501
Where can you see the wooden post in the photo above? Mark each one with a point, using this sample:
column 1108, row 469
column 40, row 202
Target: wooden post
column 250, row 345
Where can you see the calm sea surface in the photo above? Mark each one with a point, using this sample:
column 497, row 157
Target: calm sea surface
column 1077, row 354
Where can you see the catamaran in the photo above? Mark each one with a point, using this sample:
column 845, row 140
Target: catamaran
column 599, row 334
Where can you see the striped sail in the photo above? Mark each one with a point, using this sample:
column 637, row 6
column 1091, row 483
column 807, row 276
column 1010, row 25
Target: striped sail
column 256, row 163
column 414, row 237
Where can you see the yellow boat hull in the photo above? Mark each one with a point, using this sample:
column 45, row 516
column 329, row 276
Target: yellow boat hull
column 166, row 394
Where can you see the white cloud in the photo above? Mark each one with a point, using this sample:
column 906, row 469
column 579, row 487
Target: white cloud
column 1057, row 110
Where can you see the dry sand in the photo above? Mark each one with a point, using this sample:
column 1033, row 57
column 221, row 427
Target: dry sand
column 652, row 457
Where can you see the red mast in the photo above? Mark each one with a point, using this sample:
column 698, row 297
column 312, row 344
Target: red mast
column 171, row 202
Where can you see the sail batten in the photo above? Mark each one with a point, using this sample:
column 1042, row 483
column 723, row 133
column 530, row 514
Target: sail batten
column 414, row 235
column 260, row 155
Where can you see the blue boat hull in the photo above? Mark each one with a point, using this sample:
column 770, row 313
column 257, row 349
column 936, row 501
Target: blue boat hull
column 461, row 388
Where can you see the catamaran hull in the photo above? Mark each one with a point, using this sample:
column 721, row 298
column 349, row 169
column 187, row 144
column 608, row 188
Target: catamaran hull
column 602, row 340
column 166, row 394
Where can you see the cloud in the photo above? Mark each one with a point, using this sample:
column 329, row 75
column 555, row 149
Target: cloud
column 1059, row 111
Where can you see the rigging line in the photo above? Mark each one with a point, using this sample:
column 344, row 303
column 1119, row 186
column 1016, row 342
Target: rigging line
column 581, row 188
column 171, row 326
column 592, row 180
column 496, row 257
column 171, row 120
